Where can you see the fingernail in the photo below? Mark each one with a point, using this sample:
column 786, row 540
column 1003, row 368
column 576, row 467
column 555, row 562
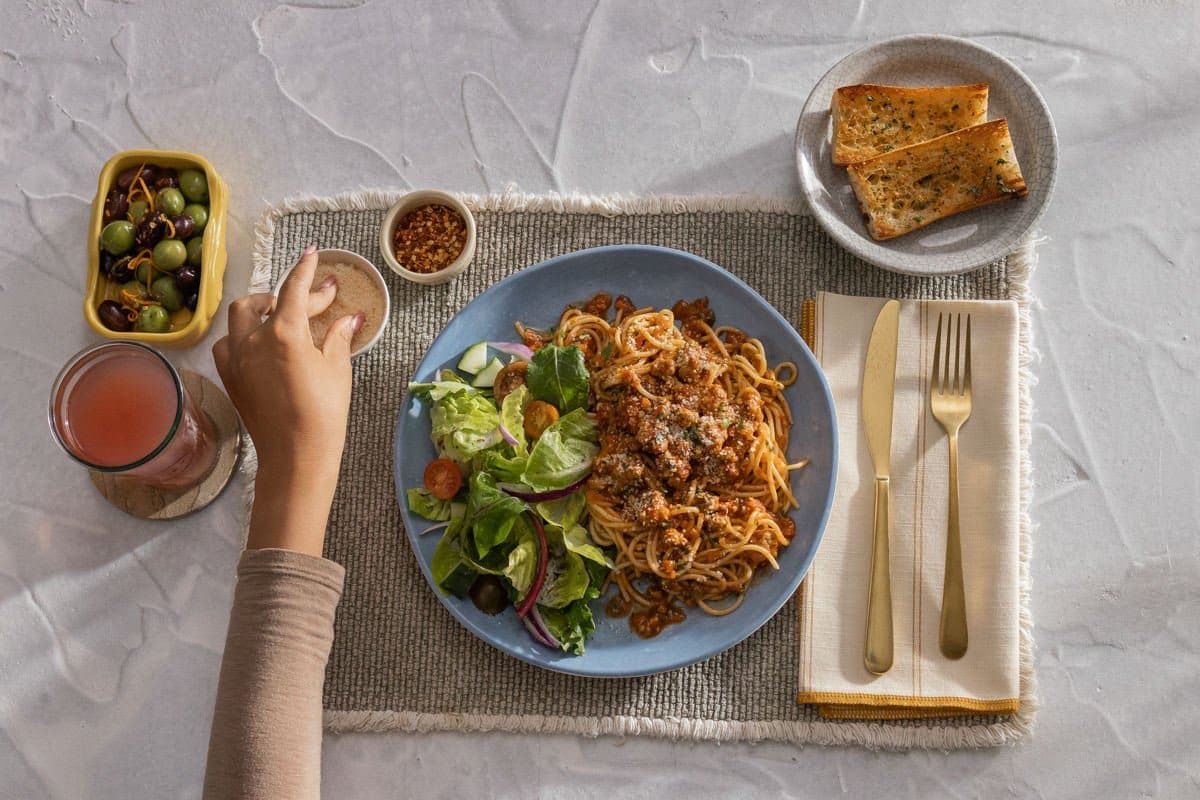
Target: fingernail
column 325, row 284
column 312, row 248
column 359, row 320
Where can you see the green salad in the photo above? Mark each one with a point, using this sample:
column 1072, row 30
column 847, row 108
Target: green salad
column 515, row 445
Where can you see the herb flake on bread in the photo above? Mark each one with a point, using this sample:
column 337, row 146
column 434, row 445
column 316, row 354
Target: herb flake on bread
column 910, row 187
column 871, row 119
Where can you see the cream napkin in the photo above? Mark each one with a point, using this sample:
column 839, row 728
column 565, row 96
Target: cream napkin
column 833, row 605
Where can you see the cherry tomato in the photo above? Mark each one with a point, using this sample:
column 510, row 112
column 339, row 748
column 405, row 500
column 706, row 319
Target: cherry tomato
column 508, row 379
column 443, row 478
column 539, row 415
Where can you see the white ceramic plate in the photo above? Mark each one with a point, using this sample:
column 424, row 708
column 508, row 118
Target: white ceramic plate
column 959, row 243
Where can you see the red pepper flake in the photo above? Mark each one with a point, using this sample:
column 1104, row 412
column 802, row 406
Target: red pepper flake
column 429, row 238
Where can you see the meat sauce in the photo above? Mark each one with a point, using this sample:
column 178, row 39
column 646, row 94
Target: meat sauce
column 647, row 622
column 686, row 447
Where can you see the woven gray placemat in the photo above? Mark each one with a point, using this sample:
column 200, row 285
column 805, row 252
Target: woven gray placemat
column 401, row 662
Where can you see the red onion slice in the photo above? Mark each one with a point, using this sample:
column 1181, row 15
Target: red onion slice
column 433, row 528
column 527, row 494
column 508, row 437
column 543, row 557
column 513, row 349
column 539, row 630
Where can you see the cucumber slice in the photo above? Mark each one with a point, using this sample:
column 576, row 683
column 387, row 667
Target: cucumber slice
column 487, row 376
column 474, row 359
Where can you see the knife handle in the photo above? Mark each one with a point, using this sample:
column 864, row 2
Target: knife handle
column 878, row 652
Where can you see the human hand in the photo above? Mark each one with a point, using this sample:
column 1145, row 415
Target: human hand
column 293, row 397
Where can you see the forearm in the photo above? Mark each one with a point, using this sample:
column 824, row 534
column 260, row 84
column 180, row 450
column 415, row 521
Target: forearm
column 266, row 734
column 291, row 505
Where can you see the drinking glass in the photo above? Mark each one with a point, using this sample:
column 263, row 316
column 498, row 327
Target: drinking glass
column 121, row 407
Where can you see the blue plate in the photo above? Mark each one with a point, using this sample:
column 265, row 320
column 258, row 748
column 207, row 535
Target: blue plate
column 649, row 276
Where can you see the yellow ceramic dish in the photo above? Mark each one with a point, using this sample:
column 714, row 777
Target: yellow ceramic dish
column 212, row 259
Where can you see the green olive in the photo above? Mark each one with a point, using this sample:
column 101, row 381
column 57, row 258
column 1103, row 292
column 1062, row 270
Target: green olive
column 170, row 202
column 135, row 288
column 117, row 236
column 170, row 254
column 153, row 319
column 137, row 210
column 195, row 249
column 198, row 213
column 194, row 185
column 143, row 273
column 165, row 291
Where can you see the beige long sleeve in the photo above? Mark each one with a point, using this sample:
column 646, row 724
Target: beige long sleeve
column 266, row 732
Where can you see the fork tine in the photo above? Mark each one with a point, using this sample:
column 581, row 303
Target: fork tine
column 967, row 367
column 956, row 385
column 946, row 359
column 937, row 358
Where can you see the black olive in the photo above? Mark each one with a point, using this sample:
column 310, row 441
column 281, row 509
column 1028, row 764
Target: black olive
column 187, row 278
column 120, row 270
column 116, row 205
column 112, row 315
column 147, row 172
column 125, row 179
column 165, row 178
column 150, row 230
column 185, row 226
column 191, row 301
column 115, row 268
column 488, row 595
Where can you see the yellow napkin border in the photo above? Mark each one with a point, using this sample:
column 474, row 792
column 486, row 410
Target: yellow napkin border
column 844, row 705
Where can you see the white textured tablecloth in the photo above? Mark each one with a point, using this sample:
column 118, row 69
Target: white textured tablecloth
column 111, row 629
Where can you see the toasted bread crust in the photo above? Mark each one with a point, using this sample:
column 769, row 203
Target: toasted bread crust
column 913, row 186
column 870, row 119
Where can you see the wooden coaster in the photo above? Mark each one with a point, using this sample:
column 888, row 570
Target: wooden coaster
column 148, row 502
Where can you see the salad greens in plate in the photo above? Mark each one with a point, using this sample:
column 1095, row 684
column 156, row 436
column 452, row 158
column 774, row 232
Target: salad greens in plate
column 515, row 446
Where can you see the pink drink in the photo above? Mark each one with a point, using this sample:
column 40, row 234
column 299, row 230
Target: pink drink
column 121, row 407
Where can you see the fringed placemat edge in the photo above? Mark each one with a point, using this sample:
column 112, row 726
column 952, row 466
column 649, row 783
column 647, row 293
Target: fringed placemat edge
column 1022, row 265
column 513, row 200
column 872, row 735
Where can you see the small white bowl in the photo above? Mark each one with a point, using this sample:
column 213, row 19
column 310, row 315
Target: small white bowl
column 335, row 256
column 414, row 200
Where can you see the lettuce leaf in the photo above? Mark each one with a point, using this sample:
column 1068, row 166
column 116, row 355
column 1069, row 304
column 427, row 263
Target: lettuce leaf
column 448, row 381
column 567, row 579
column 522, row 561
column 452, row 572
column 422, row 502
column 491, row 513
column 502, row 467
column 576, row 540
column 463, row 423
column 563, row 529
column 570, row 625
column 563, row 453
column 559, row 376
column 563, row 512
column 512, row 414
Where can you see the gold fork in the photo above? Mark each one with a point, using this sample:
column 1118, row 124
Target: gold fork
column 950, row 402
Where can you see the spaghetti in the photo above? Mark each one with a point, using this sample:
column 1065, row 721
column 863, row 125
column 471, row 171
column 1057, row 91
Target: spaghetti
column 690, row 487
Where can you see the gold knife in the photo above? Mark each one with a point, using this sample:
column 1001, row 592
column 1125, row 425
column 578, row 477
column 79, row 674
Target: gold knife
column 878, row 393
